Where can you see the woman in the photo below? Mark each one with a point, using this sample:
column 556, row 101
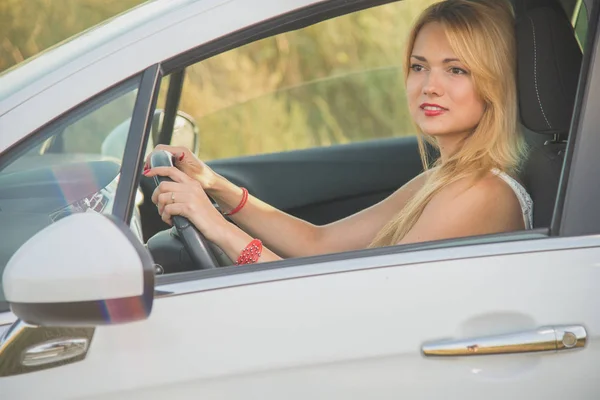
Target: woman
column 460, row 72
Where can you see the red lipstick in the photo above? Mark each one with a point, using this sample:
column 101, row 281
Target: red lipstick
column 432, row 110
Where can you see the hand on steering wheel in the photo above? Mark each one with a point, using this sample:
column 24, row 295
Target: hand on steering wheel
column 187, row 162
column 182, row 201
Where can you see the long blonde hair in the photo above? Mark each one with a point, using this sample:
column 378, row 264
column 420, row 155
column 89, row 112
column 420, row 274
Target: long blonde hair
column 481, row 34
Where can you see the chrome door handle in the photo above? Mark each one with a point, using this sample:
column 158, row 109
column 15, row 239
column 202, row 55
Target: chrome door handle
column 54, row 351
column 25, row 348
column 551, row 338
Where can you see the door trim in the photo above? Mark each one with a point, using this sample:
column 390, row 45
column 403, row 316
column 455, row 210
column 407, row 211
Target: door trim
column 201, row 281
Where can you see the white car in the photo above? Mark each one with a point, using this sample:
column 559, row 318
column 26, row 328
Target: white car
column 100, row 300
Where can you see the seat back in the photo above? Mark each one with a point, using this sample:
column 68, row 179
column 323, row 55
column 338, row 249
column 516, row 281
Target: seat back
column 548, row 65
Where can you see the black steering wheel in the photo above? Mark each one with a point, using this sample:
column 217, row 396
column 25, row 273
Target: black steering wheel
column 197, row 246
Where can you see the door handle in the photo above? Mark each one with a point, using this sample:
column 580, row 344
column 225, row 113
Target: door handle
column 25, row 348
column 551, row 338
column 54, row 351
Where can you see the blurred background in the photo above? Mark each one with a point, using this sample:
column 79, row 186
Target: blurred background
column 28, row 27
column 335, row 82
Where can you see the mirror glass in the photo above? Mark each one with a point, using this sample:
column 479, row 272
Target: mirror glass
column 185, row 132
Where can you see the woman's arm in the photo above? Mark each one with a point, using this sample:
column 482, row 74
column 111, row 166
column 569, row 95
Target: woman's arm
column 285, row 234
column 289, row 236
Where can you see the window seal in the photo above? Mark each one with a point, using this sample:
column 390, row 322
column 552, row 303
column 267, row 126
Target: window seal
column 137, row 140
column 453, row 243
column 291, row 21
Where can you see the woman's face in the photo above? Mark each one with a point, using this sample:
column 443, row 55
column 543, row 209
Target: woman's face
column 441, row 94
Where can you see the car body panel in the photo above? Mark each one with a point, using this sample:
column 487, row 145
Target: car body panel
column 270, row 339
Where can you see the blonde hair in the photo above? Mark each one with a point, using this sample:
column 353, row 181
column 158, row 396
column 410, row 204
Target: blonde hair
column 481, row 34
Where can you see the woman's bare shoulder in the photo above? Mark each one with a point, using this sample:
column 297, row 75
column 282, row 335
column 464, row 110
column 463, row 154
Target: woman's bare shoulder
column 488, row 188
column 468, row 207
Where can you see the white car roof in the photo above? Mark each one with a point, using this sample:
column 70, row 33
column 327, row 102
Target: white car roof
column 112, row 32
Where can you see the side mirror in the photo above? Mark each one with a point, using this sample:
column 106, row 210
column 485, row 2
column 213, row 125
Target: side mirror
column 87, row 269
column 185, row 132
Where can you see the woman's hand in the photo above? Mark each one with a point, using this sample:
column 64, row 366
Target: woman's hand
column 187, row 162
column 186, row 197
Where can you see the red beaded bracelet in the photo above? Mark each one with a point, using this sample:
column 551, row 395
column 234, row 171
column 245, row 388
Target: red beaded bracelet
column 241, row 205
column 251, row 253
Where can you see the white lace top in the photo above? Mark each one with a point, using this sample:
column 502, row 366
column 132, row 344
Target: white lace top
column 522, row 195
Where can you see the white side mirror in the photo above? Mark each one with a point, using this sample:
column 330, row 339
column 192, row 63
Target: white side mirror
column 86, row 269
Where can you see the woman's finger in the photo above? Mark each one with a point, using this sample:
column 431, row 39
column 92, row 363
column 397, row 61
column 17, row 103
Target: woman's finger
column 166, row 187
column 174, row 209
column 171, row 172
column 166, row 198
column 158, row 147
column 177, row 151
column 162, row 200
column 166, row 217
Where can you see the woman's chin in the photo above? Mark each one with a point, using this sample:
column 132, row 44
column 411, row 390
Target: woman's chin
column 435, row 132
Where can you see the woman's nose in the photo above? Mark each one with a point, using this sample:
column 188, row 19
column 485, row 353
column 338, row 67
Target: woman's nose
column 432, row 85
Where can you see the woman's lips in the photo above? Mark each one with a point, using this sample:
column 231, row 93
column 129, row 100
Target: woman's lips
column 433, row 113
column 432, row 110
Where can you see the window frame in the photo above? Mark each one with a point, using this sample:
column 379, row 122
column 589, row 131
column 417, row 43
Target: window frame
column 274, row 26
column 575, row 212
column 137, row 141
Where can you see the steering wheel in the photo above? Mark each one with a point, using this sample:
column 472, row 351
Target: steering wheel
column 197, row 246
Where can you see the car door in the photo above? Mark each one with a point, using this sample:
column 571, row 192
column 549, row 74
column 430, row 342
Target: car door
column 515, row 318
column 359, row 329
column 366, row 324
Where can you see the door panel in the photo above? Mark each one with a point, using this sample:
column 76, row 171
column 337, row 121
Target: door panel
column 354, row 334
column 327, row 183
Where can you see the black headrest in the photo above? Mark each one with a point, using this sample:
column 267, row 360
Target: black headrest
column 548, row 63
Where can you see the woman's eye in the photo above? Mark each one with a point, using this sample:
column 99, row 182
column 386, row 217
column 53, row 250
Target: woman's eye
column 458, row 71
column 416, row 67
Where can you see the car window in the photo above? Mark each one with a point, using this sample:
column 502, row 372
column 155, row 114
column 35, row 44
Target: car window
column 580, row 22
column 335, row 82
column 68, row 167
